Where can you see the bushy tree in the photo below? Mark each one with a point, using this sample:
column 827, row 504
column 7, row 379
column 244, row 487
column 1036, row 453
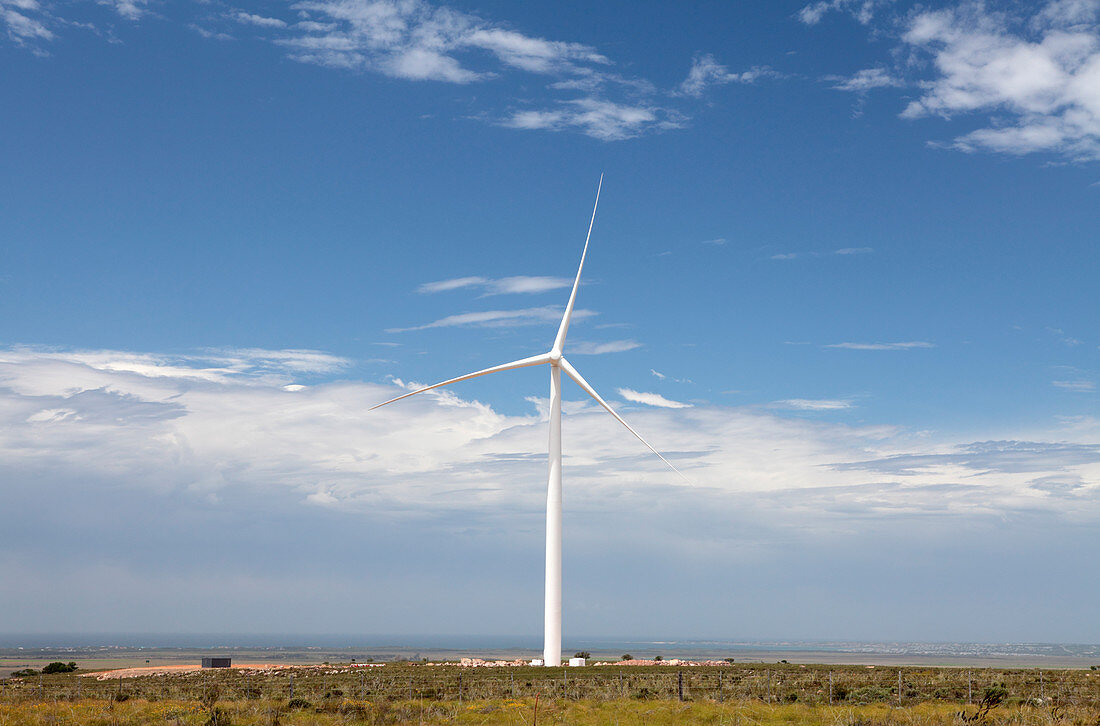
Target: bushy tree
column 59, row 667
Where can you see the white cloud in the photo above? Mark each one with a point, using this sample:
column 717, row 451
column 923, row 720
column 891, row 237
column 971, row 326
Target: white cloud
column 129, row 9
column 717, row 242
column 506, row 285
column 415, row 40
column 650, row 399
column 176, row 456
column 813, row 404
column 258, row 20
column 611, row 346
column 456, row 283
column 24, row 21
column 499, row 318
column 597, row 117
column 865, row 80
column 862, row 10
column 707, row 71
column 785, row 256
column 1040, row 75
column 909, row 345
column 80, row 412
column 1081, row 386
column 661, row 376
column 854, row 251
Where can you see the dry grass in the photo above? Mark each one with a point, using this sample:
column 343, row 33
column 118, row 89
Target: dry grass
column 517, row 712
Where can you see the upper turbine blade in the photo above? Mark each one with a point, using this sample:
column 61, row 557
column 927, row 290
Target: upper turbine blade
column 579, row 379
column 563, row 329
column 522, row 363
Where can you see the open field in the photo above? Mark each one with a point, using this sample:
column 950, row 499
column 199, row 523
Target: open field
column 102, row 657
column 398, row 693
column 522, row 712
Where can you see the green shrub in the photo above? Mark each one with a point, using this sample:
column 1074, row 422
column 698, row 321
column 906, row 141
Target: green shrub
column 627, row 656
column 25, row 673
column 870, row 694
column 59, row 667
column 298, row 703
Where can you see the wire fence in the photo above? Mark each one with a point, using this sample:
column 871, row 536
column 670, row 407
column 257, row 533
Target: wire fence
column 771, row 684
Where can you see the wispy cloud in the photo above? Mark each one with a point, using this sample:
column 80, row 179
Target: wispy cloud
column 498, row 319
column 25, row 22
column 865, row 80
column 129, row 9
column 716, row 242
column 707, row 71
column 553, row 85
column 258, row 20
column 909, row 345
column 650, row 399
column 611, row 346
column 599, row 118
column 813, row 404
column 862, row 10
column 843, row 251
column 502, row 286
column 1080, row 386
column 661, row 376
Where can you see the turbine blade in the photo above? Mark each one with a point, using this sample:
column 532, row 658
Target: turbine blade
column 563, row 329
column 522, row 363
column 579, row 379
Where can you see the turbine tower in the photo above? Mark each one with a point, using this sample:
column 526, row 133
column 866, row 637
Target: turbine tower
column 552, row 627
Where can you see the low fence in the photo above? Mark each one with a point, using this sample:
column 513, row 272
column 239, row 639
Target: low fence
column 767, row 683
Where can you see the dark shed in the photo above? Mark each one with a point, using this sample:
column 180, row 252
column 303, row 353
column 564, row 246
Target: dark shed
column 217, row 662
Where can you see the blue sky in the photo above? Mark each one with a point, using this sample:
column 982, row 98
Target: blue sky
column 843, row 271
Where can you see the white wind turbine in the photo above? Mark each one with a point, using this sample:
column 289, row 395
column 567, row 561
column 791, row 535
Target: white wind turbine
column 552, row 629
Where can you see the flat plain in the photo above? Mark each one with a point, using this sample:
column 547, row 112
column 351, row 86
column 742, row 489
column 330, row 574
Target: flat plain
column 406, row 692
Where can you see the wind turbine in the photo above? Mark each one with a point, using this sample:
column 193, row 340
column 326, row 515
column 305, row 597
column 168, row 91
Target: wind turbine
column 552, row 625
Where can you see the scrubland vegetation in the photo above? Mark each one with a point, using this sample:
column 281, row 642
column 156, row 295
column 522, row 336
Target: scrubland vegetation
column 748, row 694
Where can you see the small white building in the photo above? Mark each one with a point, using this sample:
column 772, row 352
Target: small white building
column 576, row 662
column 536, row 662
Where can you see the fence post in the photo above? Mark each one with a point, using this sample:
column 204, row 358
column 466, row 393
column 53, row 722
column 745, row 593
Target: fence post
column 721, row 696
column 1042, row 691
column 512, row 680
column 830, row 688
column 769, row 686
column 460, row 689
column 680, row 684
column 969, row 689
column 899, row 687
column 291, row 684
column 565, row 683
column 362, row 685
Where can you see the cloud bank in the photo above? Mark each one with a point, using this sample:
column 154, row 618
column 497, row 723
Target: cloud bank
column 184, row 447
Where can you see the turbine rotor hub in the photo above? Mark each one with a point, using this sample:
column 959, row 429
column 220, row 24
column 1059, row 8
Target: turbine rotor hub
column 555, row 356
